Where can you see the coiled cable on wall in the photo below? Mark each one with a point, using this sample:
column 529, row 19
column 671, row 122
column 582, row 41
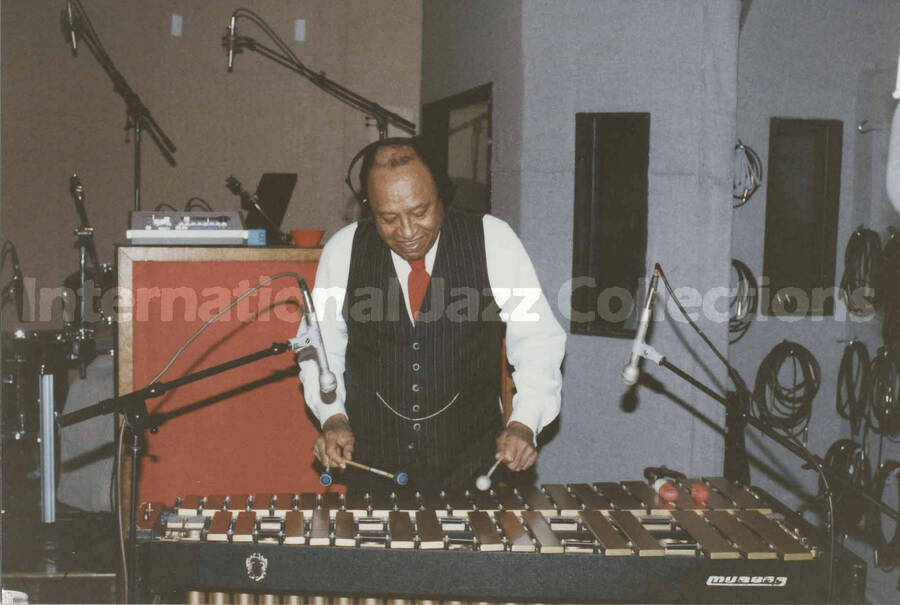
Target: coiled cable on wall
column 851, row 397
column 787, row 407
column 747, row 174
column 886, row 552
column 862, row 261
column 884, row 391
column 848, row 457
column 744, row 301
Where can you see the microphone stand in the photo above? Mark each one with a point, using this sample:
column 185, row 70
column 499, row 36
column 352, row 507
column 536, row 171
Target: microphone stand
column 87, row 251
column 133, row 406
column 813, row 461
column 286, row 58
column 648, row 352
column 138, row 116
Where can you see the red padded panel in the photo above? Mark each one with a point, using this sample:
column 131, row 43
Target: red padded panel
column 246, row 430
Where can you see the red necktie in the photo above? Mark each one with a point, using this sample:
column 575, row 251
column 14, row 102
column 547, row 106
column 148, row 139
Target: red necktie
column 417, row 284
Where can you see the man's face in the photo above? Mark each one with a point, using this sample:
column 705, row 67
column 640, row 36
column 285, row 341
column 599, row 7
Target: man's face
column 404, row 201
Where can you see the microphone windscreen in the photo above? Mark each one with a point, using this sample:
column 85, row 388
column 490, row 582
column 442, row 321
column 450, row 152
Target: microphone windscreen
column 893, row 161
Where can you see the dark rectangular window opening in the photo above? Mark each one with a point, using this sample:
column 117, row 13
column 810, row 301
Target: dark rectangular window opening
column 612, row 152
column 802, row 197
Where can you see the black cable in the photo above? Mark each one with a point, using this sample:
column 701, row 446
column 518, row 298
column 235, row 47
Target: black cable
column 851, row 397
column 744, row 302
column 862, row 261
column 887, row 289
column 884, row 392
column 164, row 205
column 787, row 408
column 197, row 202
column 886, row 552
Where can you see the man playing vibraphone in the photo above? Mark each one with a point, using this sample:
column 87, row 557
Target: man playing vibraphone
column 414, row 303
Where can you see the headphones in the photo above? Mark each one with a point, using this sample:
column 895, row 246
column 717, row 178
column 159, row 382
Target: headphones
column 445, row 187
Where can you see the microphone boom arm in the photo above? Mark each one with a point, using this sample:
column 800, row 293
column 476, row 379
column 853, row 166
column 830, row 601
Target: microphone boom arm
column 139, row 116
column 287, row 59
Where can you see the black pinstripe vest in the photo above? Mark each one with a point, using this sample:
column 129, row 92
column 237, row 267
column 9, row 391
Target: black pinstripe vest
column 424, row 398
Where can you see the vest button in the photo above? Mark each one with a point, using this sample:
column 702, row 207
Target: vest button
column 416, row 345
column 416, row 367
column 417, row 427
column 411, row 446
column 416, row 407
column 416, row 388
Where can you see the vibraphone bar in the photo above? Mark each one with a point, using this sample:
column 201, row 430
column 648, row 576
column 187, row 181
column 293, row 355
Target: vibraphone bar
column 579, row 542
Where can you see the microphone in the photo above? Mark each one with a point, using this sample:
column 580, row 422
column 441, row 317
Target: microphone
column 71, row 28
column 309, row 334
column 630, row 372
column 230, row 35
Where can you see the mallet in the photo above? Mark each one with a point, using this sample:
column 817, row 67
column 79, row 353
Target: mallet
column 483, row 482
column 400, row 477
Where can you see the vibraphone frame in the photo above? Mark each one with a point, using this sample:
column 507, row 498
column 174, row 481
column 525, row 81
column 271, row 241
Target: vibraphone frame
column 172, row 566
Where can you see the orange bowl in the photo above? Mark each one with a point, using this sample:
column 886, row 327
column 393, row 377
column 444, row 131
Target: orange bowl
column 307, row 238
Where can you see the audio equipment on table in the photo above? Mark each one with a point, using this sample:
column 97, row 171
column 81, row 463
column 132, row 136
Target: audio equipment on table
column 607, row 541
column 173, row 228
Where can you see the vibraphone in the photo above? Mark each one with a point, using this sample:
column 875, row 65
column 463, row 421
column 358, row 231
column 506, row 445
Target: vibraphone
column 601, row 542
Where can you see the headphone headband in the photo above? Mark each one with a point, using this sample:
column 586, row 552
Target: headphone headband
column 444, row 186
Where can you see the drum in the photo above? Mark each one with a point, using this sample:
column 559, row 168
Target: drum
column 26, row 357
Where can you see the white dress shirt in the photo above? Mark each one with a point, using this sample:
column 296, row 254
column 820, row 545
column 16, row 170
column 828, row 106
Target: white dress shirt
column 535, row 342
